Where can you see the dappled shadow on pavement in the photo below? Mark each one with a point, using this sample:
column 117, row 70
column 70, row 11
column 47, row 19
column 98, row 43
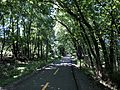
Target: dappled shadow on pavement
column 56, row 76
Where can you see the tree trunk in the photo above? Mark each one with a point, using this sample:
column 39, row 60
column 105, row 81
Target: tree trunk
column 105, row 53
column 111, row 56
column 47, row 50
column 28, row 39
column 3, row 40
column 41, row 48
column 17, row 39
column 38, row 45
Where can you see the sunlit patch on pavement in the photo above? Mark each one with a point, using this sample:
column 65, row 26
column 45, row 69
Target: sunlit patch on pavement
column 66, row 61
column 50, row 67
column 62, row 64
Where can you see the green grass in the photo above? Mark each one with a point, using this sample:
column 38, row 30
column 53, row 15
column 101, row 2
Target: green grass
column 86, row 70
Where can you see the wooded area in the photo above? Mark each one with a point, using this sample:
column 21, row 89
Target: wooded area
column 44, row 29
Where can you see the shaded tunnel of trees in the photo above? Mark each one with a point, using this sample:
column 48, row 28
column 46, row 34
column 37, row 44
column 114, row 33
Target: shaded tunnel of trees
column 41, row 29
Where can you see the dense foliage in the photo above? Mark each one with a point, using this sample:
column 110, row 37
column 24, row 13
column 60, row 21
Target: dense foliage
column 37, row 28
column 93, row 28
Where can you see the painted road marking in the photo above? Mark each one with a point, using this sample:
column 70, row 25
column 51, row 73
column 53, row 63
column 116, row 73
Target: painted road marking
column 56, row 71
column 46, row 85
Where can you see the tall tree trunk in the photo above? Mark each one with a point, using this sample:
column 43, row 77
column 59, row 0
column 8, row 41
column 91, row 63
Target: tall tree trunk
column 111, row 56
column 24, row 35
column 38, row 45
column 41, row 48
column 13, row 40
column 104, row 49
column 89, row 49
column 28, row 40
column 91, row 60
column 46, row 49
column 17, row 39
column 3, row 40
column 112, row 45
column 105, row 54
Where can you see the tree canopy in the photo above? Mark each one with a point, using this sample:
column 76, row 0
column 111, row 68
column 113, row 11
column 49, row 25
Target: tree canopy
column 32, row 29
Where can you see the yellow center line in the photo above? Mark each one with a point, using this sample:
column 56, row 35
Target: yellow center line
column 46, row 85
column 56, row 71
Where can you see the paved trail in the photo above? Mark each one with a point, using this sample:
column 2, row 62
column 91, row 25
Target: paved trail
column 57, row 76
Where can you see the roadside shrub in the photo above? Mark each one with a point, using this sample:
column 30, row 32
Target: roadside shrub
column 116, row 78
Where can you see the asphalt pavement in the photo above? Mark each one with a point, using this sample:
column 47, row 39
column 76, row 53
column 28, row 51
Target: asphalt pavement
column 56, row 76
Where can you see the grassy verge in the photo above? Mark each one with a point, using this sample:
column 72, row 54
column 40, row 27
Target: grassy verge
column 11, row 73
column 112, row 83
